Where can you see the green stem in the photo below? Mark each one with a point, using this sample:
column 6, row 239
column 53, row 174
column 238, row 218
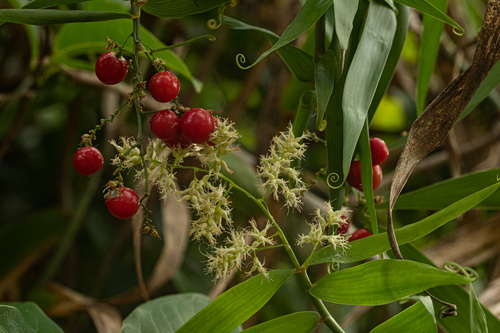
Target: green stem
column 136, row 12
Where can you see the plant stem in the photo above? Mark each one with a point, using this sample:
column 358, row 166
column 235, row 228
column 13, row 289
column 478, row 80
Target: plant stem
column 136, row 13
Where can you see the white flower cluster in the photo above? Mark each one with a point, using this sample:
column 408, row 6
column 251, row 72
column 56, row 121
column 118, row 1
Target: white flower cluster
column 220, row 143
column 317, row 234
column 133, row 156
column 283, row 150
column 224, row 259
column 210, row 204
column 159, row 173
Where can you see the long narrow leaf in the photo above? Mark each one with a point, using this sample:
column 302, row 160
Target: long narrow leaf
column 444, row 193
column 178, row 9
column 305, row 19
column 392, row 59
column 364, row 74
column 36, row 4
column 381, row 281
column 325, row 71
column 55, row 16
column 429, row 9
column 366, row 247
column 430, row 41
column 478, row 318
column 344, row 15
column 415, row 319
column 237, row 304
column 490, row 83
column 299, row 322
column 299, row 62
column 367, row 175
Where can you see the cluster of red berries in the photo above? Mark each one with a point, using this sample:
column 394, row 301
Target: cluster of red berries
column 358, row 234
column 379, row 152
column 193, row 126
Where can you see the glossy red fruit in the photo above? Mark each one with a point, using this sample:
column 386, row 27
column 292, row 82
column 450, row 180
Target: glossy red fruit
column 344, row 227
column 358, row 234
column 377, row 176
column 197, row 124
column 379, row 151
column 123, row 202
column 354, row 176
column 109, row 69
column 164, row 87
column 165, row 124
column 87, row 161
column 177, row 140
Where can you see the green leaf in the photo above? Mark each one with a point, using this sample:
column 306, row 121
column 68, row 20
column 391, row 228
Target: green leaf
column 305, row 19
column 429, row 9
column 367, row 175
column 381, row 281
column 78, row 39
column 180, row 8
column 490, row 83
column 344, row 15
column 12, row 321
column 478, row 318
column 455, row 295
column 237, row 304
column 444, row 193
column 325, row 72
column 35, row 317
column 55, row 16
column 415, row 319
column 431, row 36
column 36, row 4
column 299, row 322
column 392, row 59
column 168, row 313
column 299, row 62
column 306, row 106
column 364, row 74
column 366, row 247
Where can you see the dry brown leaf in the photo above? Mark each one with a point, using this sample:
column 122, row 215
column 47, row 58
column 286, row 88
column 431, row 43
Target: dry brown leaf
column 106, row 318
column 430, row 129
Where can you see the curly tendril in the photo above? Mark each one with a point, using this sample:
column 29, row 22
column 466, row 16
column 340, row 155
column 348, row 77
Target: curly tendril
column 240, row 59
column 212, row 23
column 334, row 181
column 456, row 268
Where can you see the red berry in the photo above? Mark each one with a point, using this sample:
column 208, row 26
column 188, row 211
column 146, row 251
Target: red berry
column 165, row 124
column 343, row 227
column 164, row 87
column 379, row 151
column 177, row 140
column 377, row 176
column 109, row 69
column 87, row 161
column 197, row 124
column 358, row 234
column 123, row 202
column 354, row 176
